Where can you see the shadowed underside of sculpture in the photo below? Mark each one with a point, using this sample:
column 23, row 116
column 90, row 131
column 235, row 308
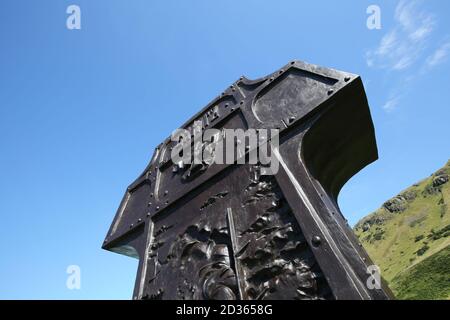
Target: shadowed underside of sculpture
column 228, row 231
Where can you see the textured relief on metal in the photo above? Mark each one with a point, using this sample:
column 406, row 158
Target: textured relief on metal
column 275, row 257
column 248, row 248
column 178, row 176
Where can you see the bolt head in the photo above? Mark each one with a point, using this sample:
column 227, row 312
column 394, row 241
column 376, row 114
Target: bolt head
column 316, row 241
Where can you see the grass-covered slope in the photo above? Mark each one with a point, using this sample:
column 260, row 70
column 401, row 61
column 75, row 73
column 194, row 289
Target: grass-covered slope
column 409, row 239
column 428, row 279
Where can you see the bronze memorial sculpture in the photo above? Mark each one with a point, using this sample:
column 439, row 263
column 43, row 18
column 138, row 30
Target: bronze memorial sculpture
column 241, row 230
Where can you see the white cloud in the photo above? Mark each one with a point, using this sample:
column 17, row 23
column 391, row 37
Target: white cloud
column 391, row 104
column 424, row 31
column 405, row 43
column 439, row 56
column 403, row 13
column 403, row 49
column 388, row 42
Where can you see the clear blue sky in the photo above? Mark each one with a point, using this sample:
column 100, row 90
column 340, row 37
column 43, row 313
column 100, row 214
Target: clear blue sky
column 82, row 110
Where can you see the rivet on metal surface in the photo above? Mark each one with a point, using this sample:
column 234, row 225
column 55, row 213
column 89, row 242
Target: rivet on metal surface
column 316, row 241
column 347, row 79
column 330, row 91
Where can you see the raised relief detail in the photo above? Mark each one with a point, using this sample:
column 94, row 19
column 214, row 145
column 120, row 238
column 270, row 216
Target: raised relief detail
column 277, row 261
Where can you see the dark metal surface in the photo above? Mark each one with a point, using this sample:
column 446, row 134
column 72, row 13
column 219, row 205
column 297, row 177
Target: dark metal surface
column 229, row 232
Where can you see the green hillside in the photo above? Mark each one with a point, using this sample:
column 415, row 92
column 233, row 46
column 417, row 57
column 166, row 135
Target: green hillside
column 409, row 239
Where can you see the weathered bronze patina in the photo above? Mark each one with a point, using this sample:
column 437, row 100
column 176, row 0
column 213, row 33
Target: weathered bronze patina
column 226, row 231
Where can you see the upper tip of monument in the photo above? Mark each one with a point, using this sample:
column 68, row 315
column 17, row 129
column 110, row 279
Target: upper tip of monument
column 341, row 76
